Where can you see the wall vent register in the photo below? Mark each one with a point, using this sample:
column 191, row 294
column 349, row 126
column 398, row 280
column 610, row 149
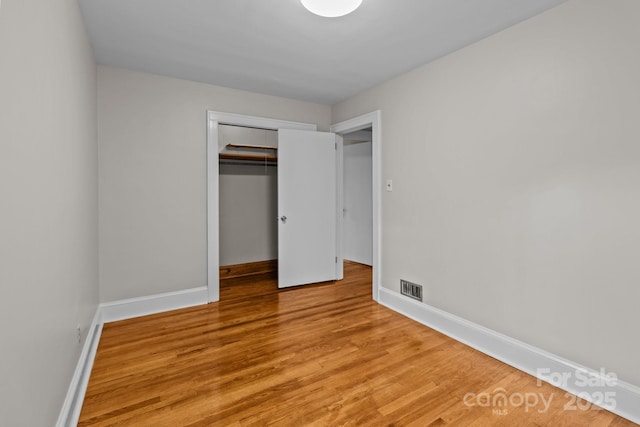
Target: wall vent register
column 412, row 290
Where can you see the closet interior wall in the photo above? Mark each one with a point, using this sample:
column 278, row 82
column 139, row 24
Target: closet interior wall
column 248, row 199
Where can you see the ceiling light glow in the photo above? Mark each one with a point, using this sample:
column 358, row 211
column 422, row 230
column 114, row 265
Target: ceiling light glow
column 331, row 8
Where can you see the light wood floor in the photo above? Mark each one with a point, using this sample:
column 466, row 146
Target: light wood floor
column 323, row 355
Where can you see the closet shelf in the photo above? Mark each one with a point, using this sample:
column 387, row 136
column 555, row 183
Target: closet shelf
column 248, row 157
column 254, row 153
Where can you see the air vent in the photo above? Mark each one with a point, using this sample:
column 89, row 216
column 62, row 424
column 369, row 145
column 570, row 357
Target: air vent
column 411, row 290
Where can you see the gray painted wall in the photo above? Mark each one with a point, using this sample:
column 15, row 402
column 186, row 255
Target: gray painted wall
column 49, row 205
column 516, row 171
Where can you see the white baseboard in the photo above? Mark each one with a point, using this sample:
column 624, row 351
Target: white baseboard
column 70, row 412
column 586, row 383
column 111, row 312
column 136, row 307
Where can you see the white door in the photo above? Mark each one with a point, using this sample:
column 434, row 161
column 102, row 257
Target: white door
column 306, row 207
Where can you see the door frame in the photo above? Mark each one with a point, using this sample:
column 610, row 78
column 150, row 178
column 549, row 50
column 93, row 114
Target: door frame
column 214, row 118
column 373, row 120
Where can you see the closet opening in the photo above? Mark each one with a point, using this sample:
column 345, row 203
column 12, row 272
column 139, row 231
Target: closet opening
column 248, row 203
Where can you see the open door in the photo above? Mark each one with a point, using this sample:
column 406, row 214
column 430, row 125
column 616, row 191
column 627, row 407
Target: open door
column 306, row 207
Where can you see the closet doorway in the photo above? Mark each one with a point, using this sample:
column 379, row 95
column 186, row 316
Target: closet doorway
column 277, row 193
column 307, row 200
column 248, row 200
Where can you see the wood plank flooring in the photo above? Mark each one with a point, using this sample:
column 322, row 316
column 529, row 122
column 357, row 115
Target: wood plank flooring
column 321, row 355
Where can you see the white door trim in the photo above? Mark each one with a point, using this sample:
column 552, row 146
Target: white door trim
column 213, row 247
column 339, row 207
column 372, row 120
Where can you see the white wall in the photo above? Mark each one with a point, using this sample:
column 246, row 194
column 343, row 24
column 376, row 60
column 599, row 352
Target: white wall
column 152, row 133
column 358, row 218
column 48, row 204
column 516, row 170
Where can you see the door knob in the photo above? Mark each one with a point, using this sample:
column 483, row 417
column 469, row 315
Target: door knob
column 283, row 219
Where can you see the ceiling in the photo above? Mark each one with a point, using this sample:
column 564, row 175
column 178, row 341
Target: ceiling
column 277, row 47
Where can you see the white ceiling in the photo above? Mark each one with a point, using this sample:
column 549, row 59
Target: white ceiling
column 276, row 47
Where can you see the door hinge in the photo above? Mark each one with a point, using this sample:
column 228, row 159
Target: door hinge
column 335, row 144
column 336, row 260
